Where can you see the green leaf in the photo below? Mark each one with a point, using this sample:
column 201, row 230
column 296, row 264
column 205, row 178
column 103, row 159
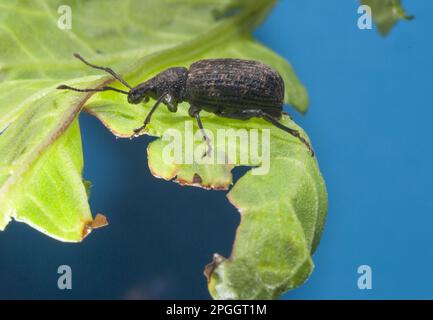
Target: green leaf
column 283, row 211
column 386, row 13
column 282, row 217
column 52, row 185
column 36, row 56
column 41, row 162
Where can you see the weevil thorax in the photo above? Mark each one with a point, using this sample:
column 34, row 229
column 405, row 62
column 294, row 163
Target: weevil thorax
column 171, row 81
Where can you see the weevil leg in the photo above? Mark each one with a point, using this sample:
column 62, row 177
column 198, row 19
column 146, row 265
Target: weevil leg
column 287, row 114
column 170, row 103
column 293, row 132
column 148, row 117
column 195, row 112
column 247, row 114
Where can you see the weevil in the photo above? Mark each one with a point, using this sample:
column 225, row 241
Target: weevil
column 231, row 88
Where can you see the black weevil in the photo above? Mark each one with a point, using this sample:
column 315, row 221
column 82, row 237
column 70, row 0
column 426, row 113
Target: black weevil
column 232, row 88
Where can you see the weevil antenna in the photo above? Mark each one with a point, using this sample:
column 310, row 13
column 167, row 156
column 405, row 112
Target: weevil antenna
column 65, row 87
column 106, row 69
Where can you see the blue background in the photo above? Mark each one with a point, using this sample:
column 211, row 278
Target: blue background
column 371, row 125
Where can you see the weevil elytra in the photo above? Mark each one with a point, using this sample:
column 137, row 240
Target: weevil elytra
column 231, row 88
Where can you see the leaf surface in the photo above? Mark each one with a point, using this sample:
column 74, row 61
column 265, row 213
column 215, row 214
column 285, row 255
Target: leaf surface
column 386, row 13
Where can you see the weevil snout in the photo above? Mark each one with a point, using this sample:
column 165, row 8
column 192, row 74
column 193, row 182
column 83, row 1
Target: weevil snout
column 134, row 97
column 137, row 96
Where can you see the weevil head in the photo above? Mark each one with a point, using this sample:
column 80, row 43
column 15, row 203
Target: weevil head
column 171, row 80
column 138, row 94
